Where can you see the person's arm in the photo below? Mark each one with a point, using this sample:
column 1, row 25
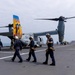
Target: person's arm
column 32, row 47
column 50, row 40
column 20, row 45
column 14, row 45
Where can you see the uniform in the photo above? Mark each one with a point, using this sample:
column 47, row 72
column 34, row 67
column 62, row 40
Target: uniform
column 32, row 51
column 17, row 47
column 50, row 52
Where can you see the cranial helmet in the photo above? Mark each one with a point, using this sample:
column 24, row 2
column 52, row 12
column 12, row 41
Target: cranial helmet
column 16, row 37
column 30, row 37
column 47, row 34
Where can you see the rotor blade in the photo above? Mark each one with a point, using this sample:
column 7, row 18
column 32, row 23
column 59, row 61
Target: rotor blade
column 70, row 17
column 54, row 19
column 4, row 26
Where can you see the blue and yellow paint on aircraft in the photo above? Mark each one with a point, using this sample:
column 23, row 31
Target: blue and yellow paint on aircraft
column 17, row 29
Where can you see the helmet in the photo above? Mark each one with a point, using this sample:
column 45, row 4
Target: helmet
column 30, row 37
column 16, row 37
column 47, row 34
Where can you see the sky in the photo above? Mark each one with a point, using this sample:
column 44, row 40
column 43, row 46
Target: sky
column 29, row 10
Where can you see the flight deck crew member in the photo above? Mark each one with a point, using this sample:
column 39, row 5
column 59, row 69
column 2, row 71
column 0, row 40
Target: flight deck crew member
column 32, row 50
column 50, row 50
column 17, row 47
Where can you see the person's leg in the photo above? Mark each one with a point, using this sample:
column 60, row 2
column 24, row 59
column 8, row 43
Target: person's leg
column 46, row 61
column 52, row 57
column 19, row 56
column 33, row 54
column 29, row 56
column 0, row 48
column 13, row 58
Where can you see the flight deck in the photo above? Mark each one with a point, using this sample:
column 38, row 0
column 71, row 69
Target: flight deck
column 64, row 56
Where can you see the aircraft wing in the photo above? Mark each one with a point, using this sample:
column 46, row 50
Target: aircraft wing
column 44, row 33
column 6, row 34
column 10, row 35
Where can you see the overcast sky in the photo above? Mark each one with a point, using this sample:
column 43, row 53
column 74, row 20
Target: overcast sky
column 29, row 10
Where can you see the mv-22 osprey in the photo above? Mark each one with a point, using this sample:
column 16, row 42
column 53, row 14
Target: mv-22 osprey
column 16, row 29
column 60, row 29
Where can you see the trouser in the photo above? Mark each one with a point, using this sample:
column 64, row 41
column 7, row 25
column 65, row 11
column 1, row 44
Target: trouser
column 51, row 53
column 0, row 48
column 17, row 54
column 32, row 52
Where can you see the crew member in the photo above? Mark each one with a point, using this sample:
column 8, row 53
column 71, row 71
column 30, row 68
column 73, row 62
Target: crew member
column 17, row 47
column 32, row 50
column 50, row 50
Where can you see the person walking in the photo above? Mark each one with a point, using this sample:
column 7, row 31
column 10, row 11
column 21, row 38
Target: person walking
column 32, row 50
column 17, row 47
column 50, row 50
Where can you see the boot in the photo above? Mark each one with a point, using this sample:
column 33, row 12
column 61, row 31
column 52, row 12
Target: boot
column 45, row 63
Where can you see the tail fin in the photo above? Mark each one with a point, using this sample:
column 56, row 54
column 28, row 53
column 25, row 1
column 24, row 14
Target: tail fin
column 17, row 29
